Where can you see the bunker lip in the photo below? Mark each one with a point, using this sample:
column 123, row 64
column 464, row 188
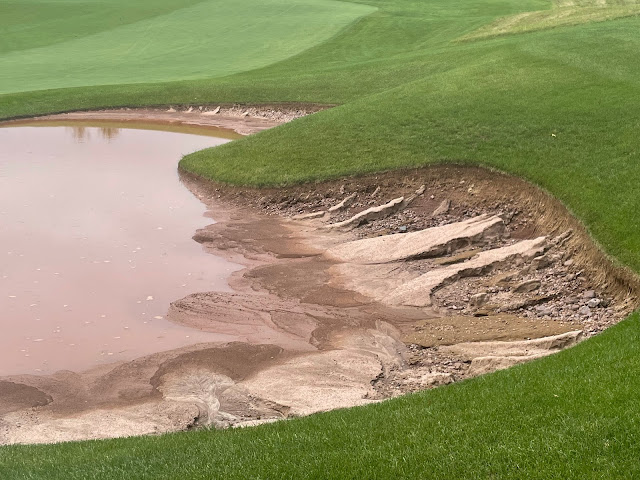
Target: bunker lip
column 239, row 118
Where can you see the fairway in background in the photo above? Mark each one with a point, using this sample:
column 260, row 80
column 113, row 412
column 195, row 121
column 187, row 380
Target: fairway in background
column 45, row 45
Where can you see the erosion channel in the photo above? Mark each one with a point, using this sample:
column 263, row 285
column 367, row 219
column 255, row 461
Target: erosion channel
column 322, row 296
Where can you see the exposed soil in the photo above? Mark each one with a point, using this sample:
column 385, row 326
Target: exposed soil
column 243, row 119
column 320, row 332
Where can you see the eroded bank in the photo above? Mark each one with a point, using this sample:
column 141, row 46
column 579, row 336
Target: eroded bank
column 352, row 292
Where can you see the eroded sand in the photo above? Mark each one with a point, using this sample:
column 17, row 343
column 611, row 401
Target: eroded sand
column 313, row 330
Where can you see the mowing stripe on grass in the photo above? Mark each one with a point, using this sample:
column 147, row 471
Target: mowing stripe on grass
column 208, row 39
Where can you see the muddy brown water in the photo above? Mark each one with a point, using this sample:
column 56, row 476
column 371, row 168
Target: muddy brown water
column 95, row 243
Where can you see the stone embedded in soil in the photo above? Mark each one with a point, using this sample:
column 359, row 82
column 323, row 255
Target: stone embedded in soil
column 430, row 242
column 418, row 292
column 310, row 216
column 456, row 258
column 538, row 263
column 593, row 303
column 442, row 208
column 544, row 311
column 213, row 112
column 478, row 299
column 584, row 311
column 436, row 378
column 346, row 203
column 528, row 286
column 373, row 213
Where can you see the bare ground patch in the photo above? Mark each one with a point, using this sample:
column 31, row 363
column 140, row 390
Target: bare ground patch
column 242, row 119
column 354, row 291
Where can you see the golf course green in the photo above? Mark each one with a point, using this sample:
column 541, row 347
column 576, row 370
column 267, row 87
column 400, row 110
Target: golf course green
column 96, row 43
column 547, row 92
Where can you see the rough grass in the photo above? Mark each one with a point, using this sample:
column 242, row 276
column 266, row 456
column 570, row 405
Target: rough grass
column 69, row 43
column 564, row 13
column 412, row 95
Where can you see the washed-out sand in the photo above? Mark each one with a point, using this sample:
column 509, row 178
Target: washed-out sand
column 327, row 317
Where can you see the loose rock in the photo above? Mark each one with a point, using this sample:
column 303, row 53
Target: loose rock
column 346, row 203
column 478, row 299
column 593, row 303
column 528, row 286
column 442, row 208
column 584, row 311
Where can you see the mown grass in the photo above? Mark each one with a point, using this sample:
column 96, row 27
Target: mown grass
column 72, row 43
column 570, row 416
column 411, row 94
column 563, row 13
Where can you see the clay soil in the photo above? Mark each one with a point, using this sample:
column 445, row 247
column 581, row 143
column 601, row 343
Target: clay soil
column 305, row 341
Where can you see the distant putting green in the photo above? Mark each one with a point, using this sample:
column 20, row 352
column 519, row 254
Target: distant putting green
column 71, row 43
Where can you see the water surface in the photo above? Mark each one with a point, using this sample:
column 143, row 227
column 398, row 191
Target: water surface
column 95, row 243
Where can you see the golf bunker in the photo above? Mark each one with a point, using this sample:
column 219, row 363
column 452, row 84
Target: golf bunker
column 352, row 292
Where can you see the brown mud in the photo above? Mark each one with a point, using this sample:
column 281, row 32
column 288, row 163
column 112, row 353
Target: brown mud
column 242, row 119
column 317, row 332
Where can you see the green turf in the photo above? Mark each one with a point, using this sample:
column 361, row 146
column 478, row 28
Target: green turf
column 69, row 43
column 563, row 13
column 411, row 93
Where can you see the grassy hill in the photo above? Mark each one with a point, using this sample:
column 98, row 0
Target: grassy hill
column 71, row 43
column 418, row 82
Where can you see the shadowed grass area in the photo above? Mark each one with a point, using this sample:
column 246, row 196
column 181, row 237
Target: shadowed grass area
column 558, row 107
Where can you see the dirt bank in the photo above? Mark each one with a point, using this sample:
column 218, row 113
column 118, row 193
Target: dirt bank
column 243, row 119
column 354, row 291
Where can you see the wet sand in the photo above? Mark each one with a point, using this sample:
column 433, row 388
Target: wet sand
column 241, row 119
column 96, row 244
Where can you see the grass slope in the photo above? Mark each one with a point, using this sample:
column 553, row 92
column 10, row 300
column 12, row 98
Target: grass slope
column 413, row 94
column 563, row 13
column 573, row 415
column 78, row 43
